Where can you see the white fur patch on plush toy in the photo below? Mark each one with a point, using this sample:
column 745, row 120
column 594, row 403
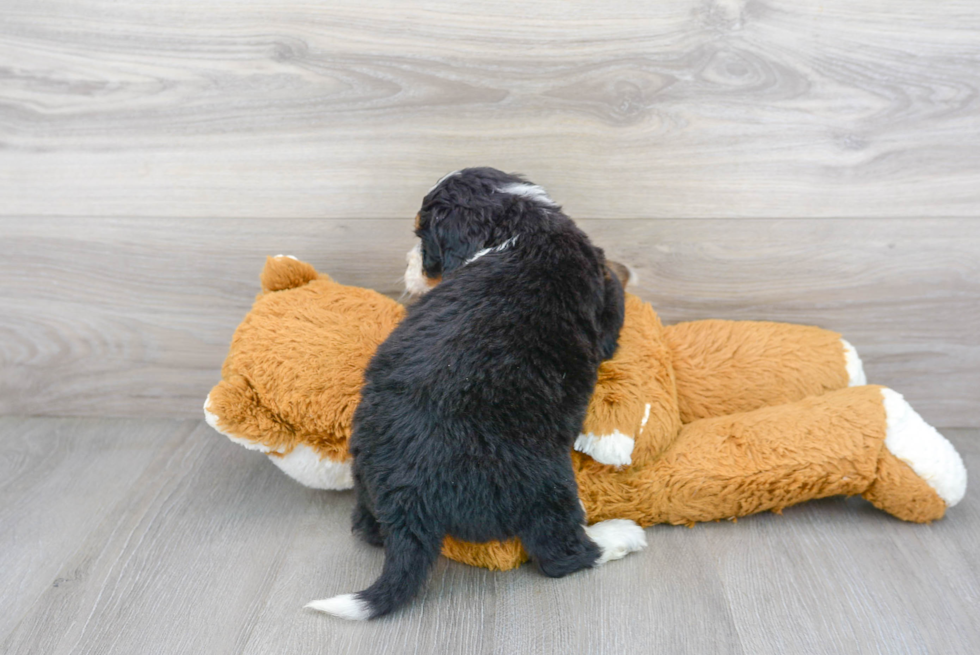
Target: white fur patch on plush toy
column 855, row 368
column 615, row 449
column 918, row 444
column 302, row 463
column 617, row 538
column 212, row 420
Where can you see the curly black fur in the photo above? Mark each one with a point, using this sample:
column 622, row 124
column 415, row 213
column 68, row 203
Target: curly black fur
column 471, row 406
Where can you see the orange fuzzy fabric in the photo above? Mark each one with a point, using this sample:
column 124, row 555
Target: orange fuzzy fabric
column 727, row 418
column 725, row 367
column 296, row 364
column 768, row 459
column 639, row 374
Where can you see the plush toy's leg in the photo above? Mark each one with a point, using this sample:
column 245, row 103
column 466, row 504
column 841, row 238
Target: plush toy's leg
column 920, row 474
column 858, row 440
column 853, row 365
column 633, row 412
column 725, row 367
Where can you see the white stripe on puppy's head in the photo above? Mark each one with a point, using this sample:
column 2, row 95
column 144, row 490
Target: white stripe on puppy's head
column 441, row 180
column 530, row 191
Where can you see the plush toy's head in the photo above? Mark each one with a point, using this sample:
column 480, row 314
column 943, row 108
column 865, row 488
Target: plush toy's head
column 293, row 374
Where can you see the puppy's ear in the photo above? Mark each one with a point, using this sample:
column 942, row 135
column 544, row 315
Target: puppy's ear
column 459, row 236
column 431, row 254
column 612, row 314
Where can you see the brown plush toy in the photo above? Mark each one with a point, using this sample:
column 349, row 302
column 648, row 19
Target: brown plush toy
column 698, row 421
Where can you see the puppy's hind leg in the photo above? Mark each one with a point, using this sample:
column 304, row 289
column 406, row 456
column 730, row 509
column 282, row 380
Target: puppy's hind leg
column 554, row 537
column 560, row 549
column 560, row 543
column 364, row 524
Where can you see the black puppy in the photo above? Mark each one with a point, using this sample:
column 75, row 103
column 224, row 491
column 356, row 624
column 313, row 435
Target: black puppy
column 471, row 406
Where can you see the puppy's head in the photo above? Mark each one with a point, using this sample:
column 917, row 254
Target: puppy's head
column 466, row 214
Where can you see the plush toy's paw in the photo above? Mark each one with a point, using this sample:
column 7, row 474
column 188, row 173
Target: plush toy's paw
column 615, row 449
column 855, row 368
column 617, row 538
column 928, row 453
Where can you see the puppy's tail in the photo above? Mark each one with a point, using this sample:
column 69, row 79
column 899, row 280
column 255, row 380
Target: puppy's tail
column 407, row 563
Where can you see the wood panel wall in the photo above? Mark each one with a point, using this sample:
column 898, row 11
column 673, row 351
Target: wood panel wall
column 816, row 162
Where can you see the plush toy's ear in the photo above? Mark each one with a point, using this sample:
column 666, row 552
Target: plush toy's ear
column 286, row 272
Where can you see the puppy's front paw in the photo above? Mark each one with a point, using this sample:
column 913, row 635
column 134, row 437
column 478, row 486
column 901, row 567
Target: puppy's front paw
column 617, row 538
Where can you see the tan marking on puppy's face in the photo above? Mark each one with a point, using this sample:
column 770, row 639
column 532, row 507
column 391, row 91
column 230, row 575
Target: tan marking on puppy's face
column 416, row 281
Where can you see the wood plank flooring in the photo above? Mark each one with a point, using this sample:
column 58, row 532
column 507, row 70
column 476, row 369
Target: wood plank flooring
column 161, row 536
column 623, row 109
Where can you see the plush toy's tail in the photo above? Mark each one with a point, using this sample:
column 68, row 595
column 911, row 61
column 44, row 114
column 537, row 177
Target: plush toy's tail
column 407, row 563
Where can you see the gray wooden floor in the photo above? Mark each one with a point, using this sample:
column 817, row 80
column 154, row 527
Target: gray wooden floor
column 160, row 536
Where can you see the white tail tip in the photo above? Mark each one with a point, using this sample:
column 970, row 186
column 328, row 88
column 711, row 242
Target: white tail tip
column 346, row 606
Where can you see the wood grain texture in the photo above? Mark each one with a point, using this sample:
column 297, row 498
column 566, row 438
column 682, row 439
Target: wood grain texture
column 352, row 109
column 133, row 317
column 58, row 479
column 210, row 548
